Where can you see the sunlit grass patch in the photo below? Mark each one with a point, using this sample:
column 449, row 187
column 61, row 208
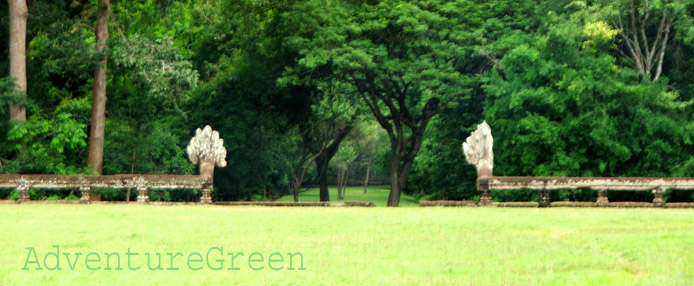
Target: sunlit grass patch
column 362, row 246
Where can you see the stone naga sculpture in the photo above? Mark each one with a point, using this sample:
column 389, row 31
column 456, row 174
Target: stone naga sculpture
column 478, row 149
column 207, row 149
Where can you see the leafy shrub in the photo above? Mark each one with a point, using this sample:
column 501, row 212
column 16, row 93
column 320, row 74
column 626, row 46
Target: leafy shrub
column 53, row 198
column 159, row 196
column 631, row 196
column 4, row 193
column 673, row 196
column 183, row 195
column 36, row 195
column 48, row 144
column 13, row 196
column 111, row 194
column 582, row 195
column 515, row 195
column 71, row 197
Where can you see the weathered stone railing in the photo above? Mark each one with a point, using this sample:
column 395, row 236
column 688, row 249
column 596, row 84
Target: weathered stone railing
column 85, row 184
column 478, row 151
column 205, row 149
column 657, row 186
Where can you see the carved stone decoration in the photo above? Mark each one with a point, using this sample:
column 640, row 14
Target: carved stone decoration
column 142, row 190
column 602, row 200
column 207, row 149
column 485, row 197
column 85, row 189
column 22, row 190
column 86, row 195
column 658, row 197
column 142, row 196
column 544, row 201
column 478, row 149
column 206, row 197
column 139, row 183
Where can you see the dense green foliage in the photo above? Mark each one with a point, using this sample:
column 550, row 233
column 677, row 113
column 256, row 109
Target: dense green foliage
column 562, row 100
column 280, row 79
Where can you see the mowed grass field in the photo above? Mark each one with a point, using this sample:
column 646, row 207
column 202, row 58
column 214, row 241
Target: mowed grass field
column 350, row 245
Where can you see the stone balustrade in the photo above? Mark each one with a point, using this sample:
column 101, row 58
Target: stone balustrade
column 85, row 183
column 601, row 185
column 206, row 149
column 478, row 152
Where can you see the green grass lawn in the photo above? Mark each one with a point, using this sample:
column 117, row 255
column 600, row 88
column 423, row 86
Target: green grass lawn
column 356, row 246
column 376, row 194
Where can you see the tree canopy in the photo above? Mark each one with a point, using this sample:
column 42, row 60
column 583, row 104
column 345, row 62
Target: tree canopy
column 576, row 88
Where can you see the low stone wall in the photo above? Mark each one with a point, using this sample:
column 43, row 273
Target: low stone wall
column 478, row 150
column 570, row 204
column 275, row 204
column 85, row 184
column 601, row 185
column 205, row 149
column 297, row 204
column 516, row 204
column 444, row 203
column 358, row 204
column 225, row 203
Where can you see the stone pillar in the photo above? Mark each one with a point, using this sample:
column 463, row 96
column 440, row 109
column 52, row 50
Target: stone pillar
column 207, row 169
column 543, row 201
column 483, row 189
column 602, row 200
column 206, row 197
column 478, row 151
column 86, row 194
column 23, row 191
column 658, row 197
column 142, row 196
column 207, row 149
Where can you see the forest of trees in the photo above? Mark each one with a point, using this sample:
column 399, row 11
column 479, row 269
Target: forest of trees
column 301, row 90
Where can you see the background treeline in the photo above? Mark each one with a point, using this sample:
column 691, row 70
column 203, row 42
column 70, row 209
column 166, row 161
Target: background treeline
column 304, row 91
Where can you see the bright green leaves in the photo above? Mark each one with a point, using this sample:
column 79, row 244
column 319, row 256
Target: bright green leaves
column 47, row 145
column 560, row 105
column 67, row 133
column 145, row 148
column 599, row 35
column 524, row 62
column 399, row 44
column 160, row 68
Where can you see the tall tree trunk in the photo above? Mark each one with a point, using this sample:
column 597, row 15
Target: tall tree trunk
column 645, row 50
column 345, row 177
column 296, row 186
column 394, row 197
column 96, row 135
column 296, row 193
column 18, row 52
column 323, row 161
column 368, row 171
column 300, row 172
column 322, row 166
column 132, row 171
column 398, row 172
column 345, row 181
column 341, row 184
